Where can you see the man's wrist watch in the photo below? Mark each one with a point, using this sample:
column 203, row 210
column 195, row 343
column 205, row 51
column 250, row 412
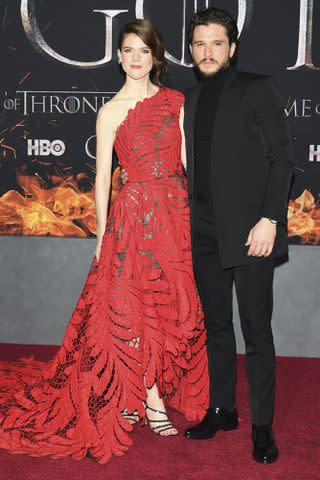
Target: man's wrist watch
column 274, row 222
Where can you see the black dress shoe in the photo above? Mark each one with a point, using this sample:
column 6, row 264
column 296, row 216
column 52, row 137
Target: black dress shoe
column 264, row 447
column 215, row 419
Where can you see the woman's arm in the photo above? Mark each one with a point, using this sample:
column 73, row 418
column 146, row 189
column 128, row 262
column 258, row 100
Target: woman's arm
column 105, row 139
column 183, row 140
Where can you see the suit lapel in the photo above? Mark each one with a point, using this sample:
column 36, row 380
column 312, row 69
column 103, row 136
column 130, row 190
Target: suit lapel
column 222, row 121
column 231, row 76
column 190, row 110
column 225, row 100
column 226, row 119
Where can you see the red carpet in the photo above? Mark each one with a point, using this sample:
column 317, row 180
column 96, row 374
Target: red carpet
column 226, row 457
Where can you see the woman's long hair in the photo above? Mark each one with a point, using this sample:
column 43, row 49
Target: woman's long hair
column 152, row 38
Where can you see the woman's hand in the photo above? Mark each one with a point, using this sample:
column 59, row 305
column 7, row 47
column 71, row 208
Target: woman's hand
column 123, row 176
column 98, row 248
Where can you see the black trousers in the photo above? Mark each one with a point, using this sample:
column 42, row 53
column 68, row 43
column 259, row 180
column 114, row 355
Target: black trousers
column 253, row 284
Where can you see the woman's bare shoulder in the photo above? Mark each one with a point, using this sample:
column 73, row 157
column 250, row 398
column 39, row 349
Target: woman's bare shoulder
column 113, row 109
column 108, row 115
column 108, row 109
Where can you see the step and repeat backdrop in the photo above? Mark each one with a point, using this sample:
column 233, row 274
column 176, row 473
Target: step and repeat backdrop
column 58, row 66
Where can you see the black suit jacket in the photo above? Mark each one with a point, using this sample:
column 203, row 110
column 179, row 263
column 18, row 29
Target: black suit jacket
column 251, row 163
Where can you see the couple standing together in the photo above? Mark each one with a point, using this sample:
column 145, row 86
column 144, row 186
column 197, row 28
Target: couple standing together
column 139, row 335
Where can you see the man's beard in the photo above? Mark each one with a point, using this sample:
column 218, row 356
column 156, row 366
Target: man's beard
column 206, row 75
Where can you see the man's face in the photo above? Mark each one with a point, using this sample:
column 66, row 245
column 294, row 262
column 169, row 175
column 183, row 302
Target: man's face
column 210, row 49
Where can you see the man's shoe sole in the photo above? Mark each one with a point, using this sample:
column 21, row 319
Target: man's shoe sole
column 207, row 437
column 266, row 461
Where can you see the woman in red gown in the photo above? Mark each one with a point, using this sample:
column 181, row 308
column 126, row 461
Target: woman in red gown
column 136, row 338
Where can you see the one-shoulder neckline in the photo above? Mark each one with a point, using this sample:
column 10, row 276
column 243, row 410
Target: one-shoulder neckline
column 131, row 110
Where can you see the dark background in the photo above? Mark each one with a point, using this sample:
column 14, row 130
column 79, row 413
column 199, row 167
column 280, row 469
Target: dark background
column 268, row 44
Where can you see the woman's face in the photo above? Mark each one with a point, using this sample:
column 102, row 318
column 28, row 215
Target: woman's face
column 135, row 56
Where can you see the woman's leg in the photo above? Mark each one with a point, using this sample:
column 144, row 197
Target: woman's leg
column 157, row 414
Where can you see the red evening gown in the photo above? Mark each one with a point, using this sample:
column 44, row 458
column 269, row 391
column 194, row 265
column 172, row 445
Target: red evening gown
column 138, row 317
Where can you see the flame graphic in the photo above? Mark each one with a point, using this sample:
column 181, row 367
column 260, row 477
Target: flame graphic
column 304, row 218
column 65, row 211
column 62, row 210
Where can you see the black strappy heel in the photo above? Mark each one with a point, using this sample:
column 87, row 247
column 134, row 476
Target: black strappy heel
column 162, row 425
column 133, row 417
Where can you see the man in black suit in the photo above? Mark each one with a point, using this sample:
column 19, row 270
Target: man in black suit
column 239, row 171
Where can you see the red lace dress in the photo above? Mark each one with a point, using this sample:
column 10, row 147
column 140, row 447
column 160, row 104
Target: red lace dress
column 138, row 316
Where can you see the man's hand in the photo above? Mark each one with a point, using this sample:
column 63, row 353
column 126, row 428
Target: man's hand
column 123, row 176
column 261, row 238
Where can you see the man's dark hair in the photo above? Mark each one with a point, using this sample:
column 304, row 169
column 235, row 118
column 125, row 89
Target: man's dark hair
column 214, row 15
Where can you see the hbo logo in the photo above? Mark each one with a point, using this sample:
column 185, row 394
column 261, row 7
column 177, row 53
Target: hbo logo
column 45, row 147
